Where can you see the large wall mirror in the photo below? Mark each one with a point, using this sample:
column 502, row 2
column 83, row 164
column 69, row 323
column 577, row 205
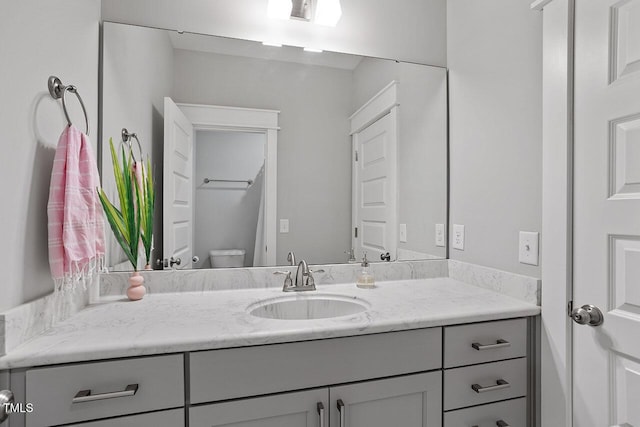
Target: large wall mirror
column 261, row 150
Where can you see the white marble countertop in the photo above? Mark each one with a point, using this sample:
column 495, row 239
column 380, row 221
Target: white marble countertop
column 178, row 322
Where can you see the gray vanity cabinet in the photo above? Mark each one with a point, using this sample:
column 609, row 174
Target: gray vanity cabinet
column 300, row 409
column 408, row 401
column 478, row 374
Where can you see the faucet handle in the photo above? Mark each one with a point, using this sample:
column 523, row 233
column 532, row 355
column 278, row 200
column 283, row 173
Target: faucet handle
column 310, row 282
column 288, row 282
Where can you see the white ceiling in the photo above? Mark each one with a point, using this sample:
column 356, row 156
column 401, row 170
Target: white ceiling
column 251, row 49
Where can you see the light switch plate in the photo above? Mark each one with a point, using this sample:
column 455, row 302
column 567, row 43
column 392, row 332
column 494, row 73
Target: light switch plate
column 403, row 233
column 284, row 225
column 440, row 238
column 528, row 247
column 458, row 237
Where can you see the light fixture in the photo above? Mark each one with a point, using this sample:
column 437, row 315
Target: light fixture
column 272, row 44
column 279, row 9
column 324, row 12
column 313, row 50
column 328, row 12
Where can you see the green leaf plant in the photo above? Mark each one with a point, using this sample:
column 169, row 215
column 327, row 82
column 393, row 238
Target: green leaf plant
column 125, row 222
column 146, row 203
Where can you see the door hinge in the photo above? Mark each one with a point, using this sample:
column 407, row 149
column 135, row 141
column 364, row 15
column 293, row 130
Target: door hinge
column 356, row 155
column 570, row 308
column 355, row 232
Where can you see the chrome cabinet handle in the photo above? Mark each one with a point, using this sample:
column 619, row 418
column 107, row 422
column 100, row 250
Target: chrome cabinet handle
column 498, row 344
column 86, row 396
column 341, row 412
column 500, row 385
column 6, row 398
column 320, row 407
column 499, row 423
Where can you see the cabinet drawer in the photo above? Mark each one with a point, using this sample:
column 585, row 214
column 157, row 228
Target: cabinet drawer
column 511, row 412
column 459, row 393
column 484, row 342
column 159, row 381
column 173, row 418
column 252, row 371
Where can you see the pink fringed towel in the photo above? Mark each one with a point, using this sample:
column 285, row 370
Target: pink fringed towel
column 76, row 222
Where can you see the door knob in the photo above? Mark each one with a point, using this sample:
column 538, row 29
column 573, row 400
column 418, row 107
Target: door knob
column 6, row 397
column 587, row 315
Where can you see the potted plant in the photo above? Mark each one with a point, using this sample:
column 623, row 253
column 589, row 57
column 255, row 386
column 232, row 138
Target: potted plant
column 126, row 222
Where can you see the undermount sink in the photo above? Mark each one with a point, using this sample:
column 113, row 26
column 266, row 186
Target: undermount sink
column 306, row 307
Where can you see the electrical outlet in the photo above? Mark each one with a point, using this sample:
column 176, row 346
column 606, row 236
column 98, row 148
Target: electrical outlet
column 403, row 233
column 458, row 237
column 528, row 247
column 284, row 225
column 440, row 238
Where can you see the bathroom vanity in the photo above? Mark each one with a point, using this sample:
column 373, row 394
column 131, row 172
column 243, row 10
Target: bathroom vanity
column 431, row 352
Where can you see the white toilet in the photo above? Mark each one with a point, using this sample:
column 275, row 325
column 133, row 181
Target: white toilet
column 223, row 258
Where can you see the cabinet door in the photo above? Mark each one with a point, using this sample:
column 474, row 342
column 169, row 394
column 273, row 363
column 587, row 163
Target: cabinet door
column 173, row 418
column 408, row 401
column 300, row 409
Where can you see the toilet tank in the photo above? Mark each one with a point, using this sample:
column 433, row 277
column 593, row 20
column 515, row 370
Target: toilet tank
column 222, row 258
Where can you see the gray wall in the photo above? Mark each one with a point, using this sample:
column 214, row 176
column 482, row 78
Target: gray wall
column 494, row 51
column 39, row 38
column 422, row 146
column 410, row 30
column 314, row 147
column 226, row 214
column 137, row 75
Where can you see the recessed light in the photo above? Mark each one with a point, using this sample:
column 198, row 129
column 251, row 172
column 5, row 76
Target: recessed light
column 311, row 49
column 272, row 44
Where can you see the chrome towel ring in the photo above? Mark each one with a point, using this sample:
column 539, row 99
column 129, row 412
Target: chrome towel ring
column 127, row 138
column 58, row 90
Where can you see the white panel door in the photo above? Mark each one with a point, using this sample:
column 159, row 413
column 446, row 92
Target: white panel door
column 375, row 192
column 409, row 401
column 606, row 358
column 177, row 207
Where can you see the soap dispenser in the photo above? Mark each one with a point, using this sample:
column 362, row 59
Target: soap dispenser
column 365, row 279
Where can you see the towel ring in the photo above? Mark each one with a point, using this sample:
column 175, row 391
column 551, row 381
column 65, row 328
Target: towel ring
column 58, row 90
column 126, row 139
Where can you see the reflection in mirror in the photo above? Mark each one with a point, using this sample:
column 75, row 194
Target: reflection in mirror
column 360, row 163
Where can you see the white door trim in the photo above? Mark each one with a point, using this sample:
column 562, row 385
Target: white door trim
column 379, row 105
column 555, row 390
column 217, row 117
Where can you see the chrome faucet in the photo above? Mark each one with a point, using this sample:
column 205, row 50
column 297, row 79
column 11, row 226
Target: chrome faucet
column 304, row 279
column 301, row 273
column 291, row 257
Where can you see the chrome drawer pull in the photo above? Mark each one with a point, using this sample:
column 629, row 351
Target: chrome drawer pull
column 320, row 407
column 86, row 396
column 500, row 385
column 341, row 411
column 498, row 344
